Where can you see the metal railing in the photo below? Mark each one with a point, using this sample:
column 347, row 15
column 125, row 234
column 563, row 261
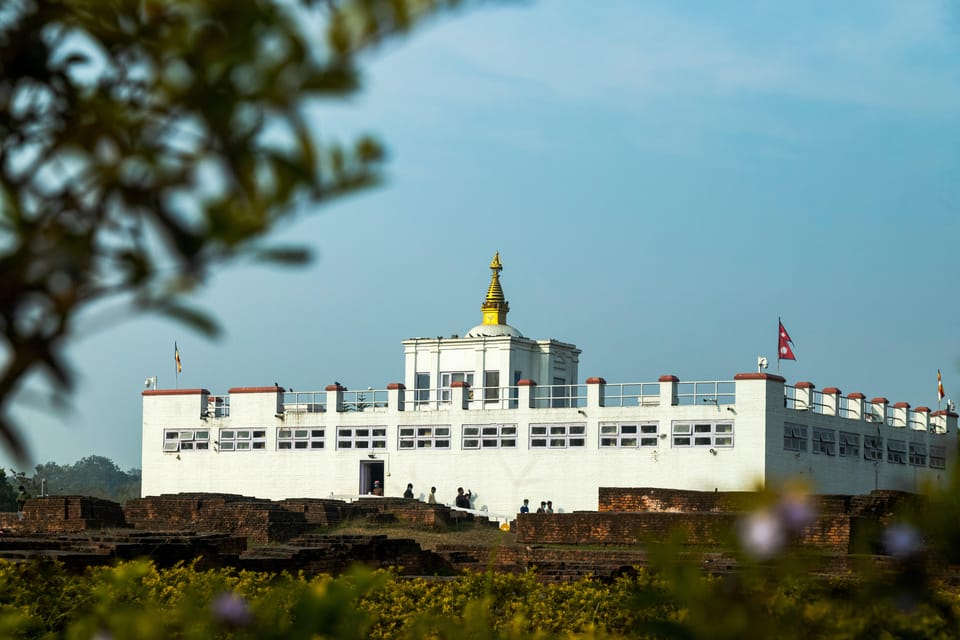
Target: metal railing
column 305, row 401
column 715, row 392
column 218, row 406
column 494, row 398
column 560, row 396
column 845, row 408
column 359, row 401
column 631, row 394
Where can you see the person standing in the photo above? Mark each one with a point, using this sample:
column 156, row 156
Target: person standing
column 408, row 494
column 432, row 498
column 549, row 506
column 525, row 507
column 543, row 507
column 22, row 497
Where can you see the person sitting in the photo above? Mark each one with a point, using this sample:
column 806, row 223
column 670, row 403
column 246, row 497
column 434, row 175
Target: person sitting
column 408, row 494
column 525, row 507
column 463, row 499
column 377, row 488
column 543, row 507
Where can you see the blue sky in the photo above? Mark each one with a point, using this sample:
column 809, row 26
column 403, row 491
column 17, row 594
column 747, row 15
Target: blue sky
column 662, row 180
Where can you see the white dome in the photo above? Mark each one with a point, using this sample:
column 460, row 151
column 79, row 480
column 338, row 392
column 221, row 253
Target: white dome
column 491, row 330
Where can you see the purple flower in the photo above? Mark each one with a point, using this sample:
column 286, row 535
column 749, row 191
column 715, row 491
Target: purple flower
column 231, row 610
column 762, row 534
column 902, row 540
column 795, row 512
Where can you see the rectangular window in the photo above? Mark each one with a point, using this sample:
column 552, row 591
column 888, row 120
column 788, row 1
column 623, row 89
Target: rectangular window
column 872, row 448
column 242, row 439
column 363, row 438
column 448, row 378
column 411, row 438
column 175, row 440
column 557, row 436
column 491, row 386
column 849, row 444
column 794, row 437
column 422, row 388
column 489, row 436
column 897, row 451
column 938, row 457
column 824, row 441
column 560, row 395
column 702, row 434
column 629, row 435
column 918, row 454
column 302, row 439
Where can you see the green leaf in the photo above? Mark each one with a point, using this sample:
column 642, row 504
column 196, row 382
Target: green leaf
column 284, row 255
column 194, row 318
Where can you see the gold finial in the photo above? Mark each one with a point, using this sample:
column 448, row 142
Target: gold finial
column 495, row 307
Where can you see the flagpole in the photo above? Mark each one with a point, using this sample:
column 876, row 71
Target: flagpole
column 779, row 324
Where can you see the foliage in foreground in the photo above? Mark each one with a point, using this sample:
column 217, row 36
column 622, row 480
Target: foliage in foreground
column 138, row 600
column 777, row 591
column 143, row 143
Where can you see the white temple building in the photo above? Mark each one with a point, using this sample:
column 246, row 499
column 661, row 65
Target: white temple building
column 506, row 417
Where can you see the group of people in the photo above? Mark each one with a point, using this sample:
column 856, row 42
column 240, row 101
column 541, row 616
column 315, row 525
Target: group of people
column 462, row 500
column 546, row 506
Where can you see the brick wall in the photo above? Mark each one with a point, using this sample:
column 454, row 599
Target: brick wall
column 260, row 521
column 636, row 516
column 60, row 514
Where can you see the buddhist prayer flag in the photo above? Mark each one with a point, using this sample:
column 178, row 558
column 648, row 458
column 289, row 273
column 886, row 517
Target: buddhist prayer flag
column 939, row 387
column 176, row 356
column 784, row 352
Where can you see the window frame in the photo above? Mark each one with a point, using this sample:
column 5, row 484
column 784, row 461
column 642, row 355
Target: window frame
column 618, row 435
column 873, row 448
column 311, row 440
column 847, row 449
column 447, row 378
column 798, row 435
column 185, row 440
column 823, row 441
column 421, row 388
column 491, row 385
column 937, row 453
column 418, row 440
column 557, row 435
column 489, row 436
column 702, row 434
column 242, row 439
column 917, row 454
column 363, row 438
column 896, row 451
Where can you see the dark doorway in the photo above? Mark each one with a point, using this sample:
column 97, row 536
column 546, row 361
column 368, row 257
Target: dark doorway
column 371, row 471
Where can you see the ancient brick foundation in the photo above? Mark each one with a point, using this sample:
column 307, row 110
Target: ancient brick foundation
column 638, row 516
column 232, row 530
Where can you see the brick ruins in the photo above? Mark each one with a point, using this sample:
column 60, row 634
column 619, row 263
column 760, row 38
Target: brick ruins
column 248, row 533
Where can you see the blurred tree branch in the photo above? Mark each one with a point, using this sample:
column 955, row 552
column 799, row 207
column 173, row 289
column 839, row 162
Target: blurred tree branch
column 144, row 141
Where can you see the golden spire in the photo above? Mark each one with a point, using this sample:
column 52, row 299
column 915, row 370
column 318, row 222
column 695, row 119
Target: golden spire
column 495, row 307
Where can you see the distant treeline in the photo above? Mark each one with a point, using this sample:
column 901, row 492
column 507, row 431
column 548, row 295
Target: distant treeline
column 91, row 476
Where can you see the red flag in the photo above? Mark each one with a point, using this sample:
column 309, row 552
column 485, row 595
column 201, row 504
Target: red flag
column 784, row 352
column 940, row 393
column 176, row 356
